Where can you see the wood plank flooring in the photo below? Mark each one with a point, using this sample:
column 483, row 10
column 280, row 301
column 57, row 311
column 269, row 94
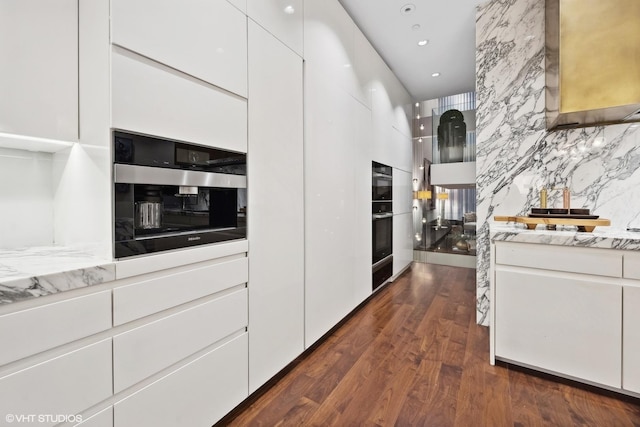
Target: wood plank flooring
column 414, row 356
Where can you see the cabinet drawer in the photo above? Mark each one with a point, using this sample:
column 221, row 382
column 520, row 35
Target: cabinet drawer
column 101, row 419
column 42, row 328
column 600, row 262
column 151, row 99
column 148, row 349
column 198, row 394
column 67, row 384
column 208, row 39
column 151, row 296
column 631, row 265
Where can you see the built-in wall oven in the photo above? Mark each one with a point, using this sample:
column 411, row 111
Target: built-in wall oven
column 170, row 195
column 382, row 224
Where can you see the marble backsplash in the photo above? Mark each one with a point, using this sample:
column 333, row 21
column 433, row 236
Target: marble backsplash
column 516, row 156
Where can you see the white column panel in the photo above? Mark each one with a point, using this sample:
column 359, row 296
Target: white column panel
column 329, row 205
column 402, row 241
column 364, row 67
column 39, row 75
column 206, row 39
column 282, row 18
column 155, row 100
column 362, row 203
column 275, row 205
column 402, row 192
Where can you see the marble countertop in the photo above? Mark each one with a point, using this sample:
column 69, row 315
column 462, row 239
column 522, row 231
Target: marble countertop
column 602, row 237
column 32, row 272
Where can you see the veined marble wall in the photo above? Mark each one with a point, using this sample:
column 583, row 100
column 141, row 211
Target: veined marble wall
column 516, row 156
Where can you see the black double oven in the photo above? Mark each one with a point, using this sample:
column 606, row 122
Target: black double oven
column 170, row 195
column 382, row 223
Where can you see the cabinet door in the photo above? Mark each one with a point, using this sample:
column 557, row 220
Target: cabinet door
column 67, row 384
column 205, row 39
column 565, row 323
column 276, row 295
column 197, row 394
column 39, row 73
column 156, row 100
column 631, row 339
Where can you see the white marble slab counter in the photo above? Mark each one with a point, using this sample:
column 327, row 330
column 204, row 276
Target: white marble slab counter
column 37, row 271
column 601, row 237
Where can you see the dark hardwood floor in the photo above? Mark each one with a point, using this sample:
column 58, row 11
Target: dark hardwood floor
column 414, row 356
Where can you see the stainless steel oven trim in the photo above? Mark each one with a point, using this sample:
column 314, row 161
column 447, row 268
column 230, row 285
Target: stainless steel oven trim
column 133, row 174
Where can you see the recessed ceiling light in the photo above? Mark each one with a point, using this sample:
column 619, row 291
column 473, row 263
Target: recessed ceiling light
column 415, row 27
column 408, row 9
column 423, row 42
column 417, row 104
column 289, row 10
column 435, row 75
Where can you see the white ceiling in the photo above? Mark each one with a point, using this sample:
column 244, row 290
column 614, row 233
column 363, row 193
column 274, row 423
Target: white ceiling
column 448, row 25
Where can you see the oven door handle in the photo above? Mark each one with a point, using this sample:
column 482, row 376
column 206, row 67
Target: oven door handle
column 383, row 215
column 133, row 174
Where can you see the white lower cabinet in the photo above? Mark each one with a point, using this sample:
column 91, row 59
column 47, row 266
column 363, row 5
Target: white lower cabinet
column 64, row 385
column 631, row 338
column 150, row 348
column 197, row 394
column 564, row 323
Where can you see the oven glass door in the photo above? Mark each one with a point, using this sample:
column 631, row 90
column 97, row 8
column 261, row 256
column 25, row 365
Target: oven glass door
column 382, row 236
column 151, row 218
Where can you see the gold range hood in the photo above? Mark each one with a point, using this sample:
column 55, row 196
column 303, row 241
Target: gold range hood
column 592, row 62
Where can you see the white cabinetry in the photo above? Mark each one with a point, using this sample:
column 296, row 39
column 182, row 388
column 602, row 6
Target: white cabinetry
column 402, row 248
column 156, row 292
column 276, row 205
column 67, row 384
column 103, row 418
column 39, row 76
column 548, row 316
column 148, row 349
column 197, row 394
column 205, row 39
column 282, row 18
column 156, row 100
column 32, row 331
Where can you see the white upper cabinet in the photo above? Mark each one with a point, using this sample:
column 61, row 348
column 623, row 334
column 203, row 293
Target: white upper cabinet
column 156, row 100
column 402, row 192
column 205, row 39
column 329, row 43
column 282, row 18
column 39, row 73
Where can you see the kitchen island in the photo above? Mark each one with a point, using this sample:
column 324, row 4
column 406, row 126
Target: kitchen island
column 566, row 303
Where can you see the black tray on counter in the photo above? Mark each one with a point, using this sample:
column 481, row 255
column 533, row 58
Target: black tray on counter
column 563, row 216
